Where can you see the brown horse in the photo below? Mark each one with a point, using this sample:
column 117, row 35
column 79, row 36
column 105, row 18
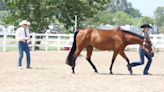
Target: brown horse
column 114, row 39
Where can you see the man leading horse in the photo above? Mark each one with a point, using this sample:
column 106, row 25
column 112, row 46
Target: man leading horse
column 143, row 51
column 113, row 39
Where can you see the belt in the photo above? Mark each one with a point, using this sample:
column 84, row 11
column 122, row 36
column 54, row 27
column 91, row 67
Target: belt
column 23, row 41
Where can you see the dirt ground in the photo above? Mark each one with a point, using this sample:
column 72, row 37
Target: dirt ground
column 51, row 74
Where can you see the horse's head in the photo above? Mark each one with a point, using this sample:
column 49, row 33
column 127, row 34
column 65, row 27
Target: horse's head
column 148, row 47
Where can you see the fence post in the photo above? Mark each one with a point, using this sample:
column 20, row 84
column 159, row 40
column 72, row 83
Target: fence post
column 58, row 42
column 33, row 41
column 46, row 45
column 4, row 41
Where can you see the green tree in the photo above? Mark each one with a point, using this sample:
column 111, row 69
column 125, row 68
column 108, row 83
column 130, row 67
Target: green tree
column 38, row 12
column 84, row 9
column 41, row 12
column 3, row 11
column 2, row 5
column 144, row 19
column 122, row 18
column 123, row 5
column 103, row 17
column 159, row 16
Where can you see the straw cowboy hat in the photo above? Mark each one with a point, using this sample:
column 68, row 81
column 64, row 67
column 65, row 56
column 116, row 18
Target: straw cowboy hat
column 146, row 26
column 24, row 22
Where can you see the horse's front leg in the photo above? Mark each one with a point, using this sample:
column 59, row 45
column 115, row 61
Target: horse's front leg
column 93, row 66
column 126, row 58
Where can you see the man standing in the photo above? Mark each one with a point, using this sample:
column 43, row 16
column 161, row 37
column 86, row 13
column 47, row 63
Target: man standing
column 22, row 36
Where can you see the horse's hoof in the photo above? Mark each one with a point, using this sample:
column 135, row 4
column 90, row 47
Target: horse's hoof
column 111, row 73
column 73, row 72
column 130, row 70
column 96, row 71
column 131, row 73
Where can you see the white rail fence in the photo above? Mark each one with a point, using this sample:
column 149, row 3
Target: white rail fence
column 59, row 41
column 47, row 41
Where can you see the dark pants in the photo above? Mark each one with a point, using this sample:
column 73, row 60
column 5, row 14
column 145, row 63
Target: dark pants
column 23, row 46
column 142, row 53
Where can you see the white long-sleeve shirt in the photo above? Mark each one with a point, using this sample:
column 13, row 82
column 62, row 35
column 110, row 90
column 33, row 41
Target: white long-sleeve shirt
column 20, row 34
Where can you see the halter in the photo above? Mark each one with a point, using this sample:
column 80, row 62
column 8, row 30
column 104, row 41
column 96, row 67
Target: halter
column 147, row 44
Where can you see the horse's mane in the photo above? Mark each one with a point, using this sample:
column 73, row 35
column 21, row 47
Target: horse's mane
column 132, row 33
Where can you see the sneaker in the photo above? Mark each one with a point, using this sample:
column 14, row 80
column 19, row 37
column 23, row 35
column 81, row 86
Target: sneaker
column 146, row 73
column 20, row 67
column 29, row 67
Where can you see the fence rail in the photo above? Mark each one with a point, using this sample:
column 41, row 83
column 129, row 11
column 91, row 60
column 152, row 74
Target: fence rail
column 59, row 41
column 46, row 41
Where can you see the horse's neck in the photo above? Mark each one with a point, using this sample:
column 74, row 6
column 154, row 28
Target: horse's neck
column 133, row 40
column 136, row 42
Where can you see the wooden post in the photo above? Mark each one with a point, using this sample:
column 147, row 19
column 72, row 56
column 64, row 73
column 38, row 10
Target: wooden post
column 46, row 44
column 58, row 42
column 75, row 24
column 4, row 41
column 33, row 41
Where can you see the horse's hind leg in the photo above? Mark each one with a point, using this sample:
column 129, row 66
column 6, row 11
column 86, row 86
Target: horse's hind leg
column 113, row 59
column 89, row 53
column 76, row 54
column 73, row 65
column 126, row 58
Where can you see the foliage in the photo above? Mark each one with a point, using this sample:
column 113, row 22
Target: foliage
column 118, row 12
column 103, row 17
column 159, row 16
column 123, row 5
column 2, row 5
column 122, row 18
column 38, row 12
column 90, row 13
column 144, row 19
column 2, row 14
column 84, row 9
column 106, row 17
column 42, row 12
column 162, row 29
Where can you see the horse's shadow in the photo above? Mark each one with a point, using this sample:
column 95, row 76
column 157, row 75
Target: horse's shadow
column 121, row 74
column 38, row 68
column 42, row 68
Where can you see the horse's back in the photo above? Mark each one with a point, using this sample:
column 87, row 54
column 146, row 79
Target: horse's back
column 99, row 32
column 100, row 38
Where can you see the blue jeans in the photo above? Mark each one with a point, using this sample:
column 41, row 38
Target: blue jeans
column 142, row 53
column 23, row 46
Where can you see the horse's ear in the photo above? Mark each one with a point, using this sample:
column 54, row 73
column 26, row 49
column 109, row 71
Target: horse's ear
column 119, row 28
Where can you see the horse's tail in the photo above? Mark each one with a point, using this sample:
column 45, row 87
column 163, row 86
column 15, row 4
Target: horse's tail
column 70, row 56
